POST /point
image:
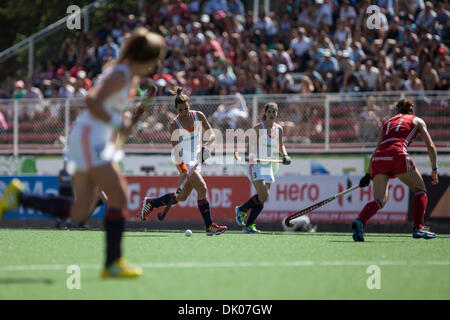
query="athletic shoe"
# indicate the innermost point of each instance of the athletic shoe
(424, 233)
(146, 208)
(10, 199)
(358, 234)
(240, 216)
(121, 269)
(215, 229)
(251, 229)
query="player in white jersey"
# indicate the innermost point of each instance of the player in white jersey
(187, 131)
(91, 149)
(269, 146)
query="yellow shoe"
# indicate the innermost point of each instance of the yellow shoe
(121, 269)
(10, 199)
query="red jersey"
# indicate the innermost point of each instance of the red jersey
(397, 134)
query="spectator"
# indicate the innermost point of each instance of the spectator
(413, 84)
(324, 15)
(368, 126)
(306, 86)
(215, 5)
(442, 16)
(396, 83)
(382, 79)
(342, 35)
(33, 92)
(109, 49)
(299, 46)
(350, 81)
(79, 91)
(178, 10)
(315, 77)
(430, 77)
(194, 6)
(3, 123)
(236, 7)
(19, 90)
(368, 75)
(67, 89)
(347, 12)
(425, 19)
(285, 80)
(327, 64)
(445, 76)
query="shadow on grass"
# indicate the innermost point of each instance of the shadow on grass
(374, 241)
(5, 281)
(144, 236)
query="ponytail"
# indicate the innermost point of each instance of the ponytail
(180, 97)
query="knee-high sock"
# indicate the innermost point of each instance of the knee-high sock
(419, 207)
(369, 210)
(58, 207)
(254, 214)
(163, 200)
(114, 226)
(203, 206)
(250, 204)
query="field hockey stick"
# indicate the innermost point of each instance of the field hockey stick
(287, 221)
(238, 158)
(148, 96)
(163, 214)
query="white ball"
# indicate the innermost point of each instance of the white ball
(188, 233)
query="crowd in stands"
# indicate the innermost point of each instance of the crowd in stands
(216, 47)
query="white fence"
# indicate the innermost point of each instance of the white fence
(331, 123)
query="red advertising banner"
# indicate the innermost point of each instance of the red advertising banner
(290, 194)
(224, 193)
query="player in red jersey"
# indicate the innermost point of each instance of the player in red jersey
(390, 160)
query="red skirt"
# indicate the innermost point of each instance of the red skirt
(391, 163)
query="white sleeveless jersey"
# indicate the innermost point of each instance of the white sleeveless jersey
(190, 144)
(268, 141)
(115, 104)
(90, 142)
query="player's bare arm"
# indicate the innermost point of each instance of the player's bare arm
(206, 126)
(431, 148)
(282, 148)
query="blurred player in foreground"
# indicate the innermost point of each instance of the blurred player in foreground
(188, 126)
(91, 148)
(269, 145)
(390, 160)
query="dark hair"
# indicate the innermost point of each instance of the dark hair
(267, 105)
(404, 106)
(180, 96)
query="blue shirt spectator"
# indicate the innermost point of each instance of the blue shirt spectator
(215, 5)
(236, 7)
(328, 63)
(109, 49)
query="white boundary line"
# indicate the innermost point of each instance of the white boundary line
(262, 264)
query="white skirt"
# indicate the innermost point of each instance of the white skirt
(90, 145)
(258, 171)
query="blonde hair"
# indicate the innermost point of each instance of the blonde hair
(141, 46)
(180, 96)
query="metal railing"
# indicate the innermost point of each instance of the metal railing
(331, 123)
(30, 42)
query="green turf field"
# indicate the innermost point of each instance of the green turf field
(292, 266)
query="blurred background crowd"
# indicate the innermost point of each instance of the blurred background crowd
(216, 47)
